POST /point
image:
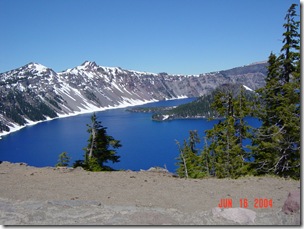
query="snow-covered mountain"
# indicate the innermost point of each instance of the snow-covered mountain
(35, 93)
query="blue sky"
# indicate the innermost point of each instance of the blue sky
(173, 36)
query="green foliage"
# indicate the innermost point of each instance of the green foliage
(276, 145)
(223, 154)
(22, 108)
(201, 107)
(63, 159)
(79, 163)
(101, 148)
(93, 165)
(3, 127)
(189, 159)
(228, 155)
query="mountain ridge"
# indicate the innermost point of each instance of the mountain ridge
(34, 92)
(89, 62)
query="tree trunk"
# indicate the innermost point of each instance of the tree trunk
(92, 143)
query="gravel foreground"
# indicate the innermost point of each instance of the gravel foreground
(66, 196)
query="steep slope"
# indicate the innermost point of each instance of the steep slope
(35, 93)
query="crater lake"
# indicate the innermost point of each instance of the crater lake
(145, 143)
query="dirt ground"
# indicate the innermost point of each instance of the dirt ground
(56, 196)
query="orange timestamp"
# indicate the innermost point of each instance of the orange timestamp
(244, 203)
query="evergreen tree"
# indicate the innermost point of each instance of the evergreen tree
(101, 147)
(189, 159)
(276, 144)
(226, 156)
(291, 43)
(63, 159)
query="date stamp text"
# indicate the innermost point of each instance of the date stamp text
(245, 203)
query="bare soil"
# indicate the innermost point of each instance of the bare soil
(54, 196)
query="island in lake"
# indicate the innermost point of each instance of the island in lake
(199, 108)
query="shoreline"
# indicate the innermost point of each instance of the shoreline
(15, 128)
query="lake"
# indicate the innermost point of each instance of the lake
(145, 143)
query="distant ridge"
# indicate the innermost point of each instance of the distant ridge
(34, 92)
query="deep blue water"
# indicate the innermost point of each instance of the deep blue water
(145, 143)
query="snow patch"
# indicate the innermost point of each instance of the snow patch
(90, 109)
(247, 88)
(165, 117)
(178, 97)
(38, 67)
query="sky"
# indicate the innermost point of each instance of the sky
(173, 36)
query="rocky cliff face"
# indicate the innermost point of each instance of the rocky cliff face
(35, 93)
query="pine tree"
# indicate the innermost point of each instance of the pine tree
(291, 49)
(226, 155)
(276, 144)
(101, 147)
(189, 159)
(63, 159)
(216, 150)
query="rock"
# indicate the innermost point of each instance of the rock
(78, 168)
(292, 203)
(6, 163)
(158, 170)
(238, 215)
(129, 85)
